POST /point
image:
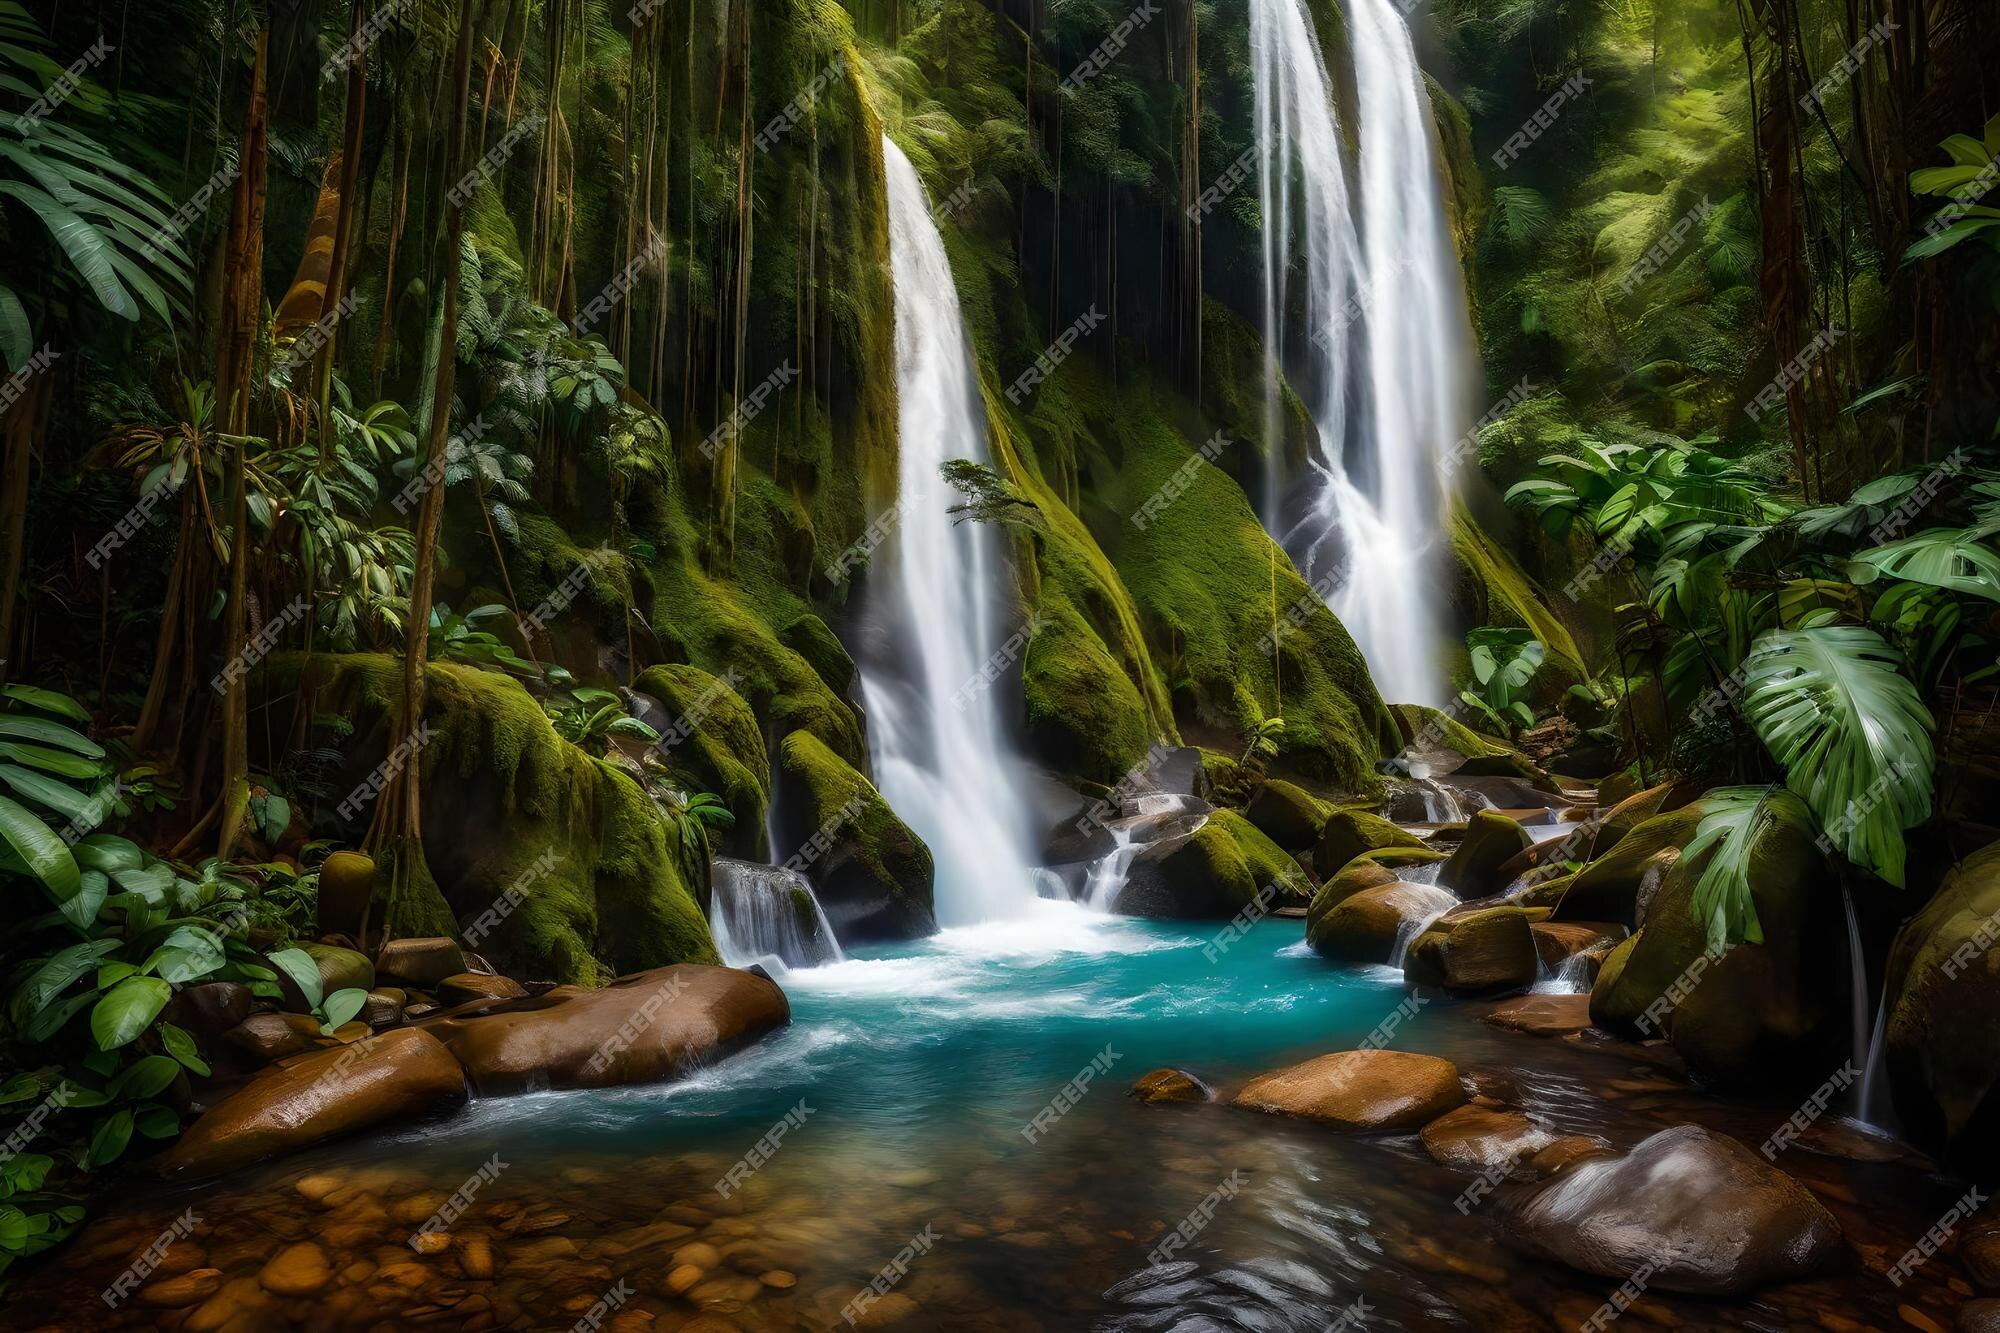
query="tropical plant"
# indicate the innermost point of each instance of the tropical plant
(588, 717)
(691, 818)
(458, 638)
(1503, 662)
(1968, 178)
(331, 1010)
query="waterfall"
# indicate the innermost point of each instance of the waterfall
(763, 913)
(934, 730)
(1387, 354)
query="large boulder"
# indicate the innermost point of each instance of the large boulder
(1484, 1138)
(649, 1028)
(339, 969)
(1374, 1090)
(1289, 815)
(1357, 876)
(1760, 1013)
(873, 873)
(1212, 872)
(422, 961)
(1943, 1046)
(346, 886)
(1484, 950)
(1491, 840)
(1615, 885)
(1346, 834)
(1695, 1212)
(1365, 927)
(1634, 810)
(392, 1078)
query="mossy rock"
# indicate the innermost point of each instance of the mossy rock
(873, 874)
(1352, 879)
(1288, 814)
(1761, 1014)
(514, 814)
(1610, 887)
(809, 637)
(1475, 952)
(1364, 926)
(1269, 863)
(1346, 834)
(1491, 840)
(714, 745)
(1636, 809)
(1942, 1043)
(1211, 873)
(1398, 858)
(1425, 730)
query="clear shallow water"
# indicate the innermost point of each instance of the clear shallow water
(910, 1073)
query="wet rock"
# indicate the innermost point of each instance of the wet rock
(1980, 1316)
(266, 1038)
(1565, 1152)
(346, 884)
(392, 1078)
(384, 1007)
(891, 1311)
(1346, 834)
(339, 969)
(1542, 1015)
(1352, 879)
(1172, 1085)
(1491, 840)
(1360, 1090)
(1942, 1045)
(210, 1009)
(1610, 888)
(1698, 1212)
(1200, 875)
(296, 1270)
(477, 986)
(646, 1028)
(1628, 813)
(1483, 950)
(420, 962)
(1979, 1250)
(171, 1293)
(1557, 941)
(872, 872)
(1287, 814)
(236, 1305)
(1479, 1138)
(1365, 927)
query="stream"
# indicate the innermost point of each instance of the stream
(904, 1085)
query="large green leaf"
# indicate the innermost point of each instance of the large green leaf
(47, 701)
(46, 855)
(86, 246)
(1951, 558)
(60, 762)
(127, 1009)
(304, 972)
(1732, 818)
(55, 976)
(1853, 736)
(50, 733)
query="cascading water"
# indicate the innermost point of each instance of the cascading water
(933, 725)
(1386, 356)
(763, 913)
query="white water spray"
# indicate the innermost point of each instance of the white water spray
(933, 724)
(768, 914)
(1387, 355)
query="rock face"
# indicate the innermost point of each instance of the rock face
(393, 1078)
(1942, 1045)
(1172, 1085)
(1360, 1090)
(873, 873)
(1288, 815)
(717, 744)
(1348, 833)
(1695, 1212)
(1760, 1012)
(1488, 949)
(1491, 841)
(1364, 927)
(647, 1028)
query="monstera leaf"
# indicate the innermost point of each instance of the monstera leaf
(1732, 819)
(1853, 736)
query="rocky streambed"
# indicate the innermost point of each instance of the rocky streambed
(945, 1137)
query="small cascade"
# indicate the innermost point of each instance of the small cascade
(1108, 872)
(766, 914)
(1864, 1110)
(1420, 905)
(1866, 1038)
(1570, 977)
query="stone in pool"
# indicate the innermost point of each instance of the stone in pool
(1487, 949)
(1172, 1085)
(1543, 1015)
(1696, 1212)
(1360, 1090)
(646, 1028)
(1477, 1138)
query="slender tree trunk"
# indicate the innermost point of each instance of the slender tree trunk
(21, 424)
(397, 216)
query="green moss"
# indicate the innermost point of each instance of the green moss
(1507, 596)
(1608, 888)
(1348, 833)
(1266, 861)
(875, 875)
(509, 805)
(715, 747)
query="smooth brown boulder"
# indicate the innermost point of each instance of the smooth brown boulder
(1364, 927)
(1360, 1090)
(1171, 1085)
(266, 1038)
(477, 986)
(1557, 941)
(1346, 834)
(395, 1077)
(1980, 1316)
(384, 1007)
(1480, 1138)
(1543, 1015)
(1491, 840)
(1487, 949)
(1699, 1212)
(346, 884)
(421, 962)
(649, 1027)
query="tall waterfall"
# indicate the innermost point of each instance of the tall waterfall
(933, 723)
(1381, 354)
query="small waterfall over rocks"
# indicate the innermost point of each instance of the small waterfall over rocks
(934, 732)
(763, 913)
(1386, 360)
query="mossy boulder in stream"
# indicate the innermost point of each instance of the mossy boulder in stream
(1491, 840)
(1485, 950)
(1209, 873)
(514, 813)
(1943, 1044)
(711, 743)
(1616, 886)
(1759, 1014)
(874, 875)
(1346, 834)
(1288, 814)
